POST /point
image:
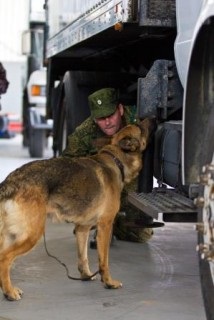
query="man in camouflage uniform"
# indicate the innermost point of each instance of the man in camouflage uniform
(108, 116)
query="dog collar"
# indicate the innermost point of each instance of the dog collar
(117, 162)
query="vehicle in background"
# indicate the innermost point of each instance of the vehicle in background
(160, 55)
(36, 128)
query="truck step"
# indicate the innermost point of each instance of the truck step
(165, 204)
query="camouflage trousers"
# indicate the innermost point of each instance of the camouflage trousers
(124, 226)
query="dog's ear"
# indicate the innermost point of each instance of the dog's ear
(149, 124)
(129, 144)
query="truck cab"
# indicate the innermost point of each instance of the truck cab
(36, 127)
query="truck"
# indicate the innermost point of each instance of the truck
(36, 128)
(160, 55)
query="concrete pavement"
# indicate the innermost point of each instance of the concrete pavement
(160, 278)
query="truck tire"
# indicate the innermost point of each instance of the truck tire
(206, 214)
(205, 240)
(37, 141)
(25, 120)
(74, 107)
(200, 102)
(206, 224)
(63, 128)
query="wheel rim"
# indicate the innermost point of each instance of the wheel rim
(207, 225)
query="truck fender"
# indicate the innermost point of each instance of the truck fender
(198, 142)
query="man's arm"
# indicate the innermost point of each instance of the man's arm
(76, 147)
(80, 141)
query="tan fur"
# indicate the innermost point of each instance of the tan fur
(85, 191)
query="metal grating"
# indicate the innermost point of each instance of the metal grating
(165, 204)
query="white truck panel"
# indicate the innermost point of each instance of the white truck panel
(37, 13)
(191, 15)
(96, 16)
(187, 13)
(63, 12)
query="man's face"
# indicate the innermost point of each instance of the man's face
(111, 124)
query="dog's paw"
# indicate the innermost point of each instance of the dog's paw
(114, 284)
(87, 277)
(14, 295)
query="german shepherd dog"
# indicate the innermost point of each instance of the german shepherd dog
(85, 191)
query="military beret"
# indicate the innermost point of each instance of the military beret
(103, 102)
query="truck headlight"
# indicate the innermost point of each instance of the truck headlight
(37, 90)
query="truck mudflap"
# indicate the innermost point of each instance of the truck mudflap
(165, 204)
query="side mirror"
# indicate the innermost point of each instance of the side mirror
(26, 42)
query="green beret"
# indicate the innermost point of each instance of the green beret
(103, 102)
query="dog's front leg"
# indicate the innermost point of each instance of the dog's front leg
(104, 233)
(82, 234)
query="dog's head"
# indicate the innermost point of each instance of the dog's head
(135, 137)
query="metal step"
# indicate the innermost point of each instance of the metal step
(165, 204)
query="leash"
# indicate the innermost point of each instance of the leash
(64, 265)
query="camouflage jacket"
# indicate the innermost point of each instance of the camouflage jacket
(85, 139)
